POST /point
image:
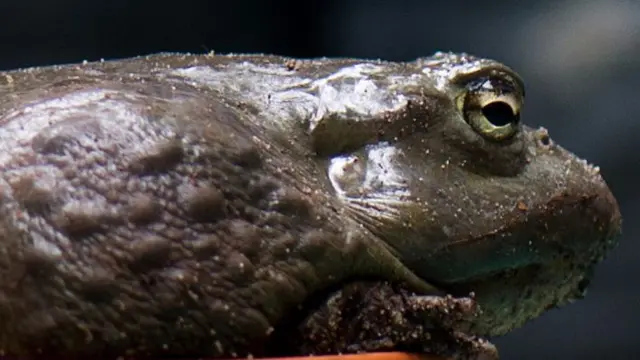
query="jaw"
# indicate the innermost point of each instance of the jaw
(542, 258)
(581, 231)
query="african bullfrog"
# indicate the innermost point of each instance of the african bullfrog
(187, 205)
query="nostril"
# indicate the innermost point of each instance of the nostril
(543, 138)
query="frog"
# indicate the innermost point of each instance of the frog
(223, 205)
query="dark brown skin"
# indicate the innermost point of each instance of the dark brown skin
(189, 204)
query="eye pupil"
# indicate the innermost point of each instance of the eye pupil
(499, 113)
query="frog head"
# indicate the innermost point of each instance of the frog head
(468, 197)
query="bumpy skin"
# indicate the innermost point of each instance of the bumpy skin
(185, 204)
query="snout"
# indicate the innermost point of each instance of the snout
(560, 242)
(586, 219)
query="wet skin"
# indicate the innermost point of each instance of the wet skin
(185, 204)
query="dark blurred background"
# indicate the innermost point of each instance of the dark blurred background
(580, 59)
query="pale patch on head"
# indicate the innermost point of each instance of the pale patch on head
(352, 90)
(346, 174)
(370, 184)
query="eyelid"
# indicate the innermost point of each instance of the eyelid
(498, 72)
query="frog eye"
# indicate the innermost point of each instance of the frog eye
(491, 106)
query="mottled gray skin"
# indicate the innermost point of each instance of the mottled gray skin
(182, 204)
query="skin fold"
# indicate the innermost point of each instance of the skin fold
(232, 205)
